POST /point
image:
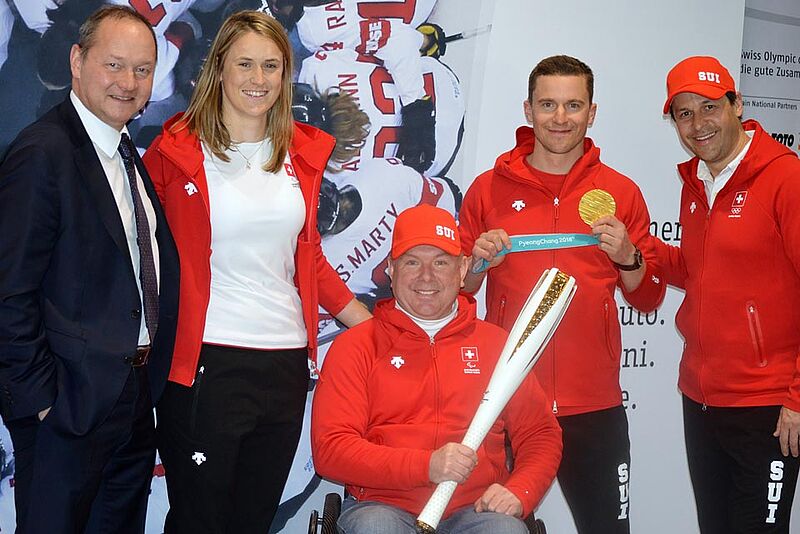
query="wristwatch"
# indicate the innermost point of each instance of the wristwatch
(637, 262)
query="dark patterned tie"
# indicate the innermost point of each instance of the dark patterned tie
(147, 266)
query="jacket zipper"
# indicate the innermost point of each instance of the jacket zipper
(552, 349)
(198, 381)
(706, 231)
(756, 334)
(435, 393)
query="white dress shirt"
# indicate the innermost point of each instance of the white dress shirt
(714, 185)
(106, 142)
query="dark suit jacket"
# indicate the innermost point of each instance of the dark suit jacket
(70, 309)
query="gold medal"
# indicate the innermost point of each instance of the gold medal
(595, 204)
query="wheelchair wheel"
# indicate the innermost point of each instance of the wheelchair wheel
(536, 527)
(312, 522)
(330, 512)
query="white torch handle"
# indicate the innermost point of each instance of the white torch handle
(480, 426)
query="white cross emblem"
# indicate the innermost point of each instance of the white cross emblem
(518, 205)
(198, 457)
(191, 189)
(692, 207)
(739, 198)
(397, 361)
(656, 280)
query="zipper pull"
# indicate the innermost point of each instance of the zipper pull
(555, 206)
(704, 408)
(555, 406)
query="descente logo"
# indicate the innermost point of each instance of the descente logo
(708, 77)
(445, 232)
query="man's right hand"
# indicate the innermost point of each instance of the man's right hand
(44, 413)
(489, 244)
(453, 461)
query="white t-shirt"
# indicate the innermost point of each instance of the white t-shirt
(256, 217)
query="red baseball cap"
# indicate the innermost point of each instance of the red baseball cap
(425, 225)
(703, 75)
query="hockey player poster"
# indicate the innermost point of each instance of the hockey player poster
(369, 73)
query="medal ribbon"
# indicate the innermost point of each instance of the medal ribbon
(526, 243)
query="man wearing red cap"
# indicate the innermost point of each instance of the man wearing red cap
(739, 263)
(540, 187)
(397, 394)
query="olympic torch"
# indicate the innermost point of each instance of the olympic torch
(532, 330)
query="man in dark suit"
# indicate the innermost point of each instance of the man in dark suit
(88, 293)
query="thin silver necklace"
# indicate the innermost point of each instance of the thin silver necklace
(246, 159)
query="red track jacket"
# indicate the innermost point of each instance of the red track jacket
(389, 396)
(579, 370)
(175, 163)
(740, 265)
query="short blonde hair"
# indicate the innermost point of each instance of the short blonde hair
(204, 114)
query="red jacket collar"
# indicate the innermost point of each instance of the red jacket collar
(182, 147)
(512, 164)
(763, 151)
(387, 312)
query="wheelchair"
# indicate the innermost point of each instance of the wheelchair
(332, 507)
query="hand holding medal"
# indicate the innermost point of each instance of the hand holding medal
(597, 208)
(593, 206)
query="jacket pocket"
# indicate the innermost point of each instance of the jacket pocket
(501, 311)
(756, 334)
(198, 383)
(607, 330)
(65, 345)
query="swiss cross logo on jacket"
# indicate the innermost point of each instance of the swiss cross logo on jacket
(469, 355)
(739, 198)
(289, 169)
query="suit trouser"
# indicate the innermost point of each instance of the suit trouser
(742, 482)
(595, 469)
(227, 442)
(95, 483)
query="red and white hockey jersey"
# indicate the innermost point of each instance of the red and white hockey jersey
(359, 253)
(337, 25)
(373, 88)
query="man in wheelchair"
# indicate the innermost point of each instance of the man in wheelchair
(397, 394)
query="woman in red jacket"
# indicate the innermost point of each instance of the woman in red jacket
(239, 183)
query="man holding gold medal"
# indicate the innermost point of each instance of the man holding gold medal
(552, 195)
(738, 262)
